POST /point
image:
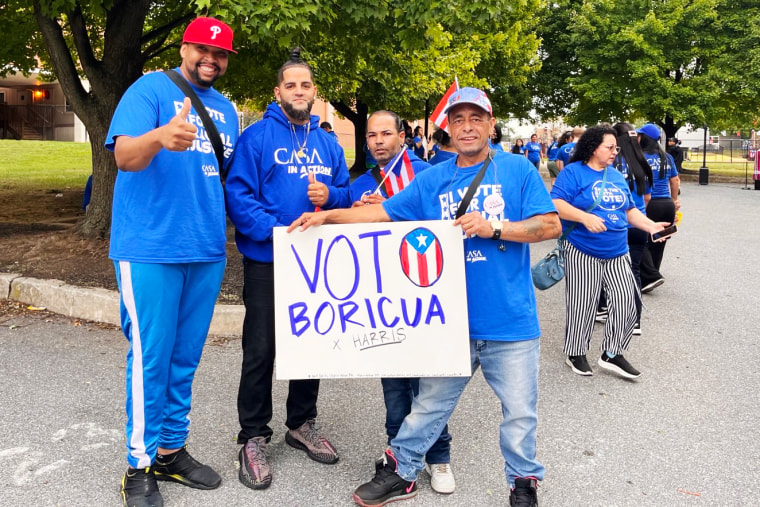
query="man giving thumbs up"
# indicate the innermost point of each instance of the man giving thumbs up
(168, 238)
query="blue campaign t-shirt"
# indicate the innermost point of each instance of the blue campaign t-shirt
(442, 156)
(501, 302)
(638, 200)
(420, 152)
(578, 184)
(173, 210)
(534, 151)
(661, 186)
(565, 153)
(553, 151)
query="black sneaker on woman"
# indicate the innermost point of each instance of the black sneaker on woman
(182, 468)
(619, 365)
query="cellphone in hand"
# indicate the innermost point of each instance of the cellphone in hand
(665, 233)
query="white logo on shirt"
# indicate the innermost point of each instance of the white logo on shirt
(475, 256)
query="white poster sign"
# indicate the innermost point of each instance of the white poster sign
(371, 300)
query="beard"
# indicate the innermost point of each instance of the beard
(206, 83)
(298, 115)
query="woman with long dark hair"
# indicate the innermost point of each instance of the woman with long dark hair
(635, 169)
(594, 199)
(662, 206)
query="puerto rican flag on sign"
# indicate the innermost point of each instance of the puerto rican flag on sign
(399, 174)
(421, 257)
(438, 116)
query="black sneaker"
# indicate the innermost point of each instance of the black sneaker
(579, 365)
(386, 486)
(183, 468)
(524, 493)
(652, 285)
(619, 365)
(139, 489)
(254, 469)
(601, 314)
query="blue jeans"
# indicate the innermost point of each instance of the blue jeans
(511, 369)
(399, 394)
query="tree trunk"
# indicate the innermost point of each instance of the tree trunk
(670, 127)
(359, 119)
(108, 79)
(97, 222)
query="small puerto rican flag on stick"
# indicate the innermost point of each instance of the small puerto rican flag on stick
(397, 174)
(438, 116)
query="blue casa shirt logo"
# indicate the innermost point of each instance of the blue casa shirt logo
(613, 198)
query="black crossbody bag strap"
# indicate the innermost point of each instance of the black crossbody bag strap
(208, 124)
(474, 185)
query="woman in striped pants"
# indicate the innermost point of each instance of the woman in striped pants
(595, 201)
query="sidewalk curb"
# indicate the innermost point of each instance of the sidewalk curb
(96, 304)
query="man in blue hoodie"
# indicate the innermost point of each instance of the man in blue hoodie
(286, 165)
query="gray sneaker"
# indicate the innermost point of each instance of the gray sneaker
(308, 439)
(254, 469)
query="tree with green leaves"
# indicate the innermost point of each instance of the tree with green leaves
(370, 55)
(367, 55)
(95, 50)
(671, 62)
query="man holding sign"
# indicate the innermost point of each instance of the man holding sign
(284, 165)
(168, 239)
(510, 209)
(396, 168)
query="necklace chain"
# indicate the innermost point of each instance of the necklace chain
(301, 147)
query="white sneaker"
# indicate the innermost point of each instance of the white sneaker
(441, 477)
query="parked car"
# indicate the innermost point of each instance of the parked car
(711, 148)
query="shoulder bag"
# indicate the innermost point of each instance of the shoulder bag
(208, 124)
(551, 269)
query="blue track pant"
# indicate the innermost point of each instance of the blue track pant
(166, 311)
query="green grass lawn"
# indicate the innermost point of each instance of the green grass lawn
(44, 164)
(721, 164)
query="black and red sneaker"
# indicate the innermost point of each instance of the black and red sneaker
(387, 486)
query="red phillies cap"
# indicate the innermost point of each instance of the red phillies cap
(210, 32)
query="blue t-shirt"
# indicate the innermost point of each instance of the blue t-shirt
(534, 151)
(497, 146)
(578, 185)
(442, 156)
(553, 151)
(661, 186)
(269, 176)
(420, 152)
(638, 200)
(173, 210)
(367, 183)
(565, 153)
(500, 299)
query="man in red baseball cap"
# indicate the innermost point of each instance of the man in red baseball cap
(168, 238)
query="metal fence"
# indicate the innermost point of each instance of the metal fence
(725, 150)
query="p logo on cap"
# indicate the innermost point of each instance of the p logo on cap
(210, 32)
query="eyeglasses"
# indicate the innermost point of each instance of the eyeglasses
(612, 148)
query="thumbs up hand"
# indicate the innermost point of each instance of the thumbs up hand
(317, 191)
(178, 135)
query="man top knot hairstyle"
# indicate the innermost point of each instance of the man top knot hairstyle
(295, 60)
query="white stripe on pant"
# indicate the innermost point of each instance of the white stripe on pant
(585, 276)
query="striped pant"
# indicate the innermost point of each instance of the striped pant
(585, 277)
